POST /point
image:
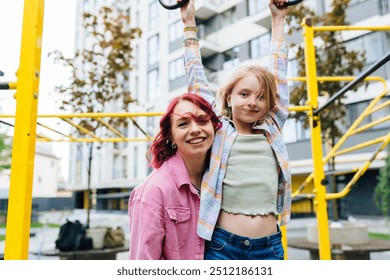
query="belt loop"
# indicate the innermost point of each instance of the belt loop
(268, 240)
(231, 238)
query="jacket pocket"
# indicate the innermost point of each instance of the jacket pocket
(177, 222)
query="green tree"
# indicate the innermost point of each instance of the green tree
(5, 152)
(382, 189)
(100, 73)
(333, 58)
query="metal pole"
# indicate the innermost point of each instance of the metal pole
(23, 151)
(316, 142)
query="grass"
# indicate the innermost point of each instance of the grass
(35, 225)
(380, 236)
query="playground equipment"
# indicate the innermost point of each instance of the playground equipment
(25, 136)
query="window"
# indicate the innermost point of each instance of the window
(292, 71)
(153, 84)
(260, 46)
(231, 58)
(100, 168)
(79, 161)
(352, 2)
(176, 69)
(153, 14)
(124, 166)
(175, 31)
(256, 6)
(371, 43)
(153, 49)
(382, 113)
(135, 165)
(384, 6)
(356, 109)
(229, 17)
(136, 85)
(152, 124)
(116, 167)
(294, 131)
(78, 171)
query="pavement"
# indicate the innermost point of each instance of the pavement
(44, 238)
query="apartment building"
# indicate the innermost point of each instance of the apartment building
(232, 33)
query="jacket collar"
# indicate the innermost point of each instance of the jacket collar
(178, 171)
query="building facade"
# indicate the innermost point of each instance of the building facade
(48, 185)
(231, 33)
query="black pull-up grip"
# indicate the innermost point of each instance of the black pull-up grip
(174, 6)
(291, 3)
(182, 3)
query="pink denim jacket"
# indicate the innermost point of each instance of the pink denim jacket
(163, 213)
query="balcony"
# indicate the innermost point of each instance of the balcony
(206, 9)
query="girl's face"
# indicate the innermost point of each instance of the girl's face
(247, 105)
(192, 130)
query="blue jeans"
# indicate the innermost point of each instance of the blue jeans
(228, 246)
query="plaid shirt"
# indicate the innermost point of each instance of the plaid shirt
(211, 193)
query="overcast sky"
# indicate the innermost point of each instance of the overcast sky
(58, 34)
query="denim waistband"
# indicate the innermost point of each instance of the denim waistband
(247, 241)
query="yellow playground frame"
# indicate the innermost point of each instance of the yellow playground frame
(25, 136)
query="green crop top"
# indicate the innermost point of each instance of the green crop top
(251, 181)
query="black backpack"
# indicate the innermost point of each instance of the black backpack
(73, 237)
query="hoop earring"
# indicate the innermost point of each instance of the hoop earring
(174, 146)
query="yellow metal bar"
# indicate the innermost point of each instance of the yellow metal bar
(360, 172)
(89, 140)
(94, 115)
(103, 115)
(350, 78)
(46, 139)
(12, 85)
(360, 146)
(112, 129)
(316, 142)
(86, 131)
(23, 151)
(380, 106)
(338, 173)
(299, 108)
(353, 126)
(283, 229)
(372, 124)
(7, 85)
(339, 79)
(350, 28)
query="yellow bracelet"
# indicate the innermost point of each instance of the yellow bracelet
(190, 28)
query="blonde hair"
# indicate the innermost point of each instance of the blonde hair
(267, 88)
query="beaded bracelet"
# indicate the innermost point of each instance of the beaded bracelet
(190, 41)
(190, 28)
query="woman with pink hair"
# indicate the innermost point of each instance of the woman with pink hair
(164, 208)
